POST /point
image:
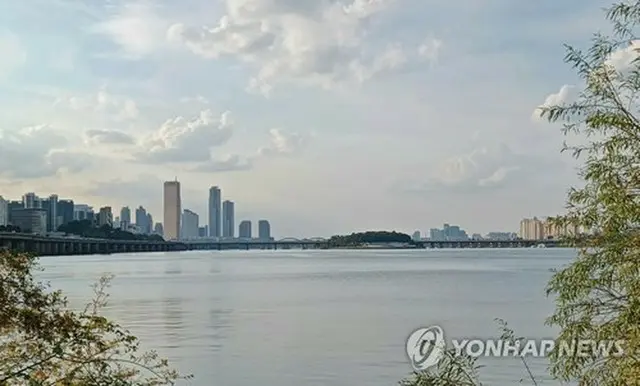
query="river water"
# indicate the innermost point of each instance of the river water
(335, 318)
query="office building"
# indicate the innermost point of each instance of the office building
(65, 211)
(228, 219)
(215, 207)
(448, 233)
(105, 216)
(30, 220)
(4, 212)
(142, 219)
(83, 212)
(30, 201)
(157, 229)
(203, 231)
(190, 225)
(264, 230)
(11, 207)
(172, 210)
(416, 236)
(50, 205)
(244, 229)
(125, 217)
(149, 224)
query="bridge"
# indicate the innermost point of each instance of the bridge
(58, 246)
(285, 243)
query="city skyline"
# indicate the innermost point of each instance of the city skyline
(529, 228)
(351, 118)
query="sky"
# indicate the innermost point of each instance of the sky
(325, 116)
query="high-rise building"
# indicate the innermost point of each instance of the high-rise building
(31, 201)
(531, 229)
(105, 216)
(83, 212)
(264, 230)
(228, 215)
(416, 236)
(50, 206)
(12, 207)
(215, 207)
(190, 225)
(149, 224)
(244, 229)
(4, 212)
(30, 220)
(65, 209)
(157, 229)
(142, 219)
(125, 217)
(172, 210)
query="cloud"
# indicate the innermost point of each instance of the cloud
(12, 52)
(623, 59)
(135, 28)
(187, 140)
(282, 143)
(568, 94)
(227, 164)
(115, 107)
(197, 99)
(482, 168)
(430, 49)
(319, 43)
(38, 151)
(108, 137)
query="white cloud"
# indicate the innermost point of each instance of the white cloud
(568, 94)
(12, 53)
(135, 28)
(319, 43)
(187, 140)
(483, 167)
(108, 137)
(37, 151)
(232, 162)
(430, 49)
(282, 143)
(622, 59)
(115, 107)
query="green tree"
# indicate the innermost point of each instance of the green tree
(598, 294)
(46, 343)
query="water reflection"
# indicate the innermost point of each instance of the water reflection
(173, 320)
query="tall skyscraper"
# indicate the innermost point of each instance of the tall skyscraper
(264, 230)
(149, 229)
(215, 203)
(65, 210)
(31, 201)
(125, 217)
(4, 212)
(172, 210)
(105, 216)
(228, 224)
(190, 224)
(244, 229)
(141, 219)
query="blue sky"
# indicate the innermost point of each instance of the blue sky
(323, 116)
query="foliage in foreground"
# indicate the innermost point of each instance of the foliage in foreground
(598, 294)
(45, 343)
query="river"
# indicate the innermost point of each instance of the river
(331, 318)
